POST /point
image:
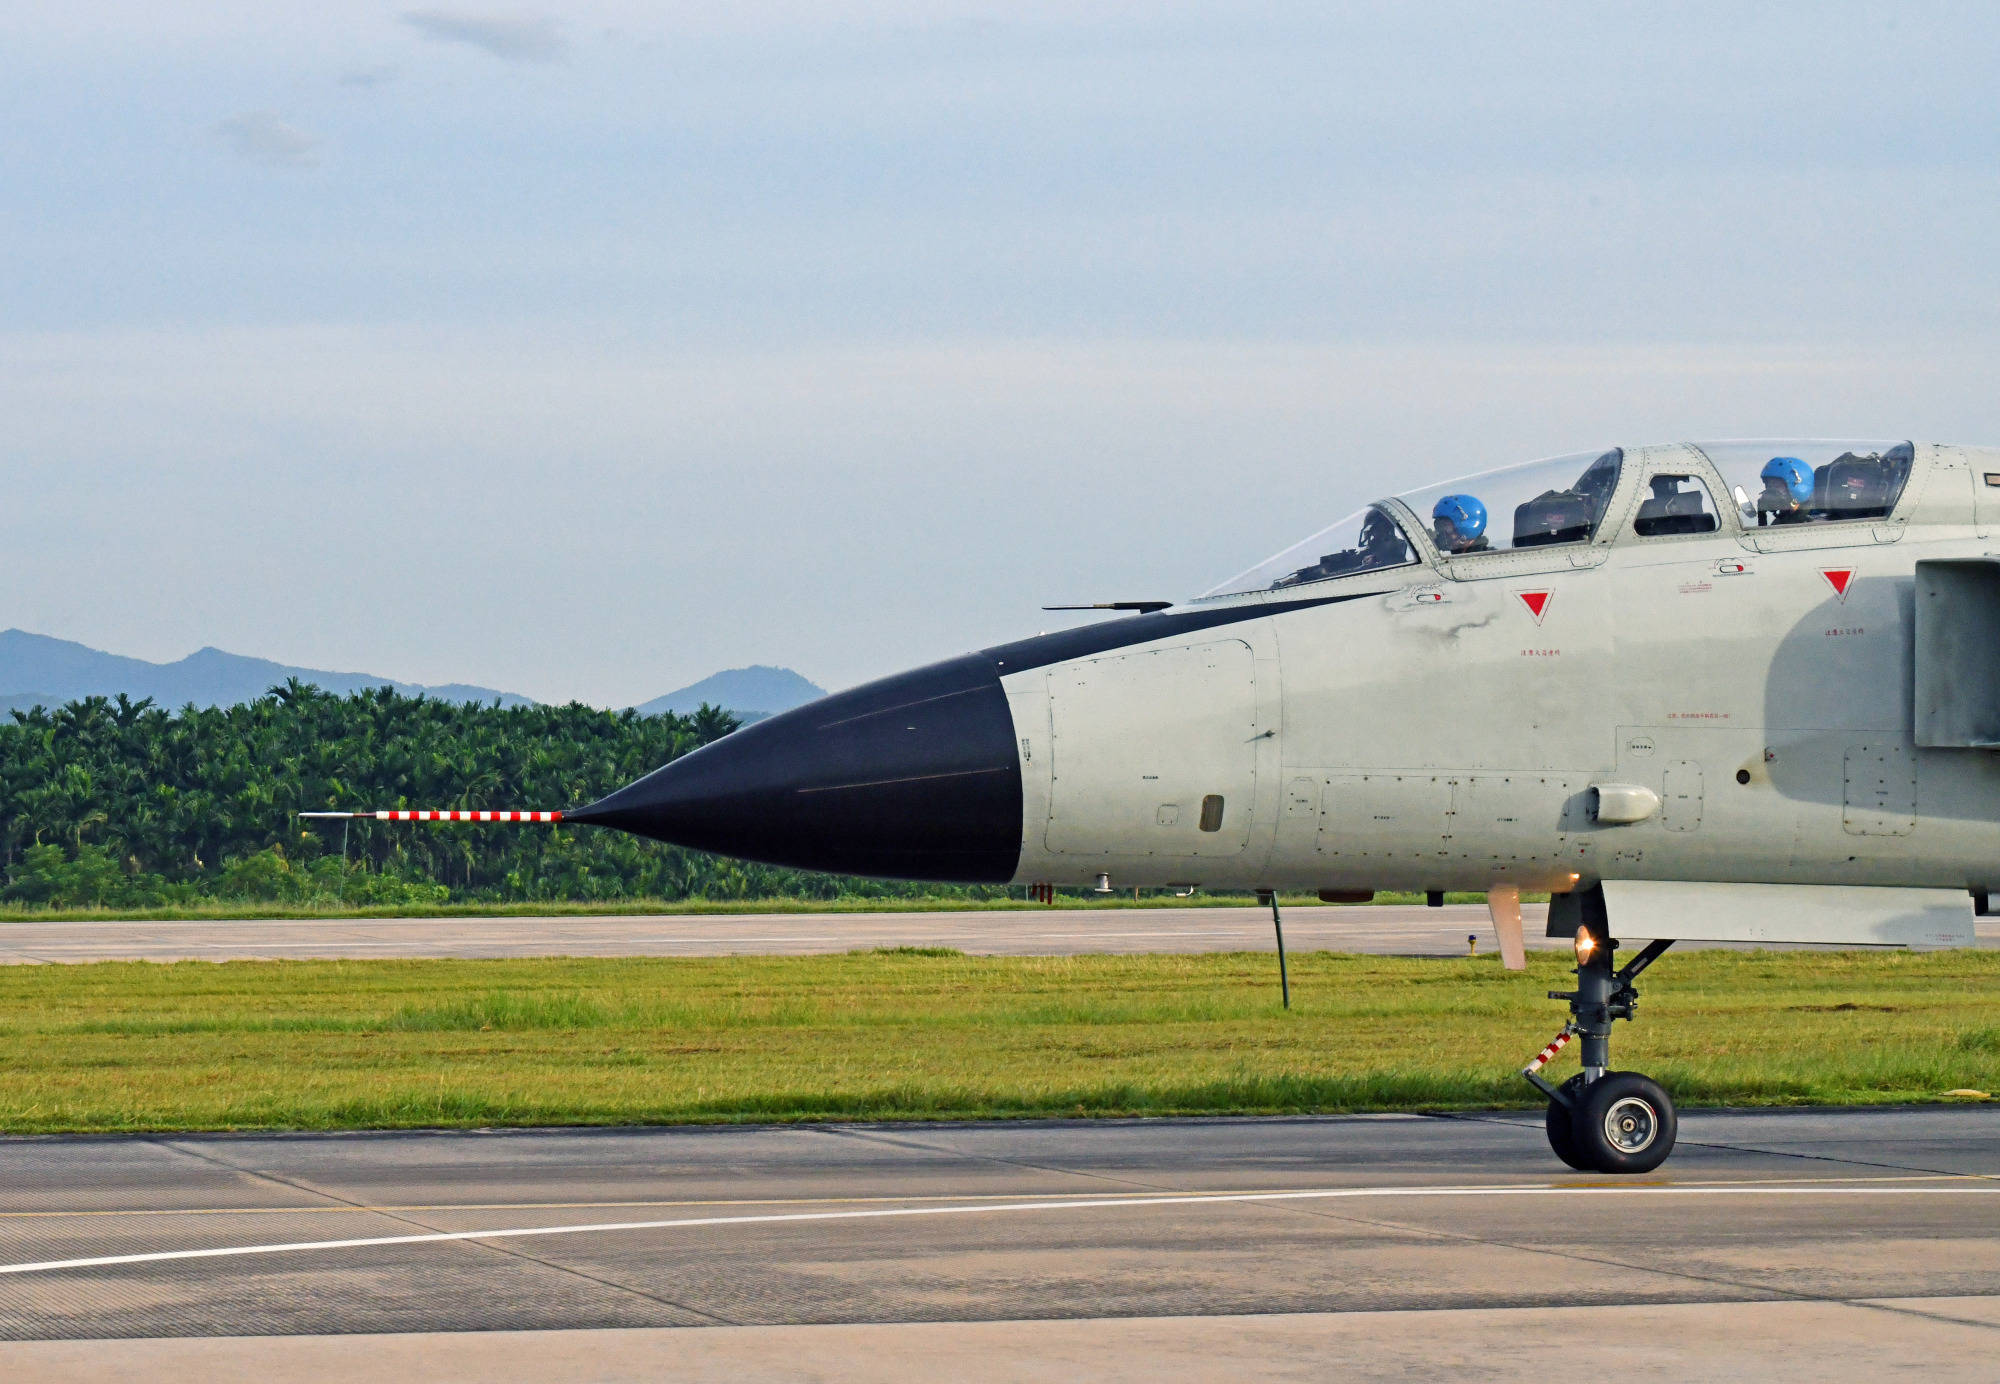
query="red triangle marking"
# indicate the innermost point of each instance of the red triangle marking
(1838, 578)
(1537, 602)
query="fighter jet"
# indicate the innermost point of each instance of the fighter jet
(1741, 691)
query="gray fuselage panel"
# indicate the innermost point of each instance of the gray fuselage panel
(1443, 725)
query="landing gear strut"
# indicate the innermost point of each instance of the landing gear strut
(1600, 1120)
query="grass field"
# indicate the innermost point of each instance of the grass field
(919, 1035)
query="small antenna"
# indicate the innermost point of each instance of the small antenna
(1143, 607)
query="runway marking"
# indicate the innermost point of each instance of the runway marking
(995, 1208)
(437, 1208)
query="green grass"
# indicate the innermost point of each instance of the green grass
(907, 1033)
(224, 908)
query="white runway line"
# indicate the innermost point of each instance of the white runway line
(1981, 1188)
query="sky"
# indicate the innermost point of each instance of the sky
(583, 351)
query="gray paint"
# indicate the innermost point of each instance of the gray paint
(1438, 735)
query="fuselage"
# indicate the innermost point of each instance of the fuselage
(1442, 723)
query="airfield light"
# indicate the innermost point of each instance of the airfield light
(1585, 945)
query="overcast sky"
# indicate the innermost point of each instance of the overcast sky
(583, 352)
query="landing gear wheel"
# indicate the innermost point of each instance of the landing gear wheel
(1561, 1136)
(1623, 1123)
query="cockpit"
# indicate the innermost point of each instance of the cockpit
(1777, 485)
(1368, 542)
(1559, 500)
(1565, 500)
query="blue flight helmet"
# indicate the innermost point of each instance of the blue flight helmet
(1465, 514)
(1791, 474)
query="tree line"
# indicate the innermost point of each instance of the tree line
(115, 802)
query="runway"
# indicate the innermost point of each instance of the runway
(1007, 932)
(1789, 1245)
(1391, 929)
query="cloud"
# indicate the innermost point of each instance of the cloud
(262, 138)
(513, 40)
(368, 77)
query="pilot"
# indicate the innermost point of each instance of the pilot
(1788, 491)
(1459, 521)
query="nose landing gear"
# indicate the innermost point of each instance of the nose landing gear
(1600, 1120)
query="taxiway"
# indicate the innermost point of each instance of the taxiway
(1811, 1244)
(1386, 929)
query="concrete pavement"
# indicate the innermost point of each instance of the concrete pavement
(1810, 1244)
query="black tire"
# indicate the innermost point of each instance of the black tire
(1625, 1123)
(1561, 1138)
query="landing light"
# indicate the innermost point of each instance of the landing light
(1585, 945)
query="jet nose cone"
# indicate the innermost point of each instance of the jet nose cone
(912, 777)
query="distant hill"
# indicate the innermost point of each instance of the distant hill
(37, 669)
(755, 692)
(26, 701)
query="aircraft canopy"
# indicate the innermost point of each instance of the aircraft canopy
(1556, 500)
(1835, 479)
(1771, 482)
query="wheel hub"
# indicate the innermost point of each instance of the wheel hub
(1631, 1125)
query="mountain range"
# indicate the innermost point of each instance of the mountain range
(758, 690)
(38, 670)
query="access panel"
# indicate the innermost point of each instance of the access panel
(1154, 753)
(1681, 800)
(1878, 790)
(1389, 816)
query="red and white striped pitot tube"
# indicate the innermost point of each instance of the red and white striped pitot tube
(1547, 1054)
(439, 815)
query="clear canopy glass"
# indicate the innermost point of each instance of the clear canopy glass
(1558, 500)
(1780, 482)
(1368, 541)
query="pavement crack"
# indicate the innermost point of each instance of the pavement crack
(891, 1261)
(400, 1218)
(1751, 1292)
